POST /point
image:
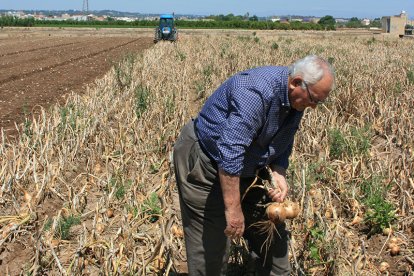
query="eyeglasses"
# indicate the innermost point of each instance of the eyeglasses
(312, 100)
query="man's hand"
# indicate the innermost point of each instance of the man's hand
(235, 222)
(279, 193)
(233, 211)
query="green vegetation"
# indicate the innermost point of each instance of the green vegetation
(27, 129)
(380, 213)
(229, 21)
(63, 226)
(355, 142)
(256, 25)
(328, 22)
(68, 117)
(152, 207)
(337, 143)
(118, 184)
(354, 23)
(8, 21)
(141, 100)
(319, 249)
(235, 23)
(275, 46)
(316, 237)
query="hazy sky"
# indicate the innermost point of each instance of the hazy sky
(336, 8)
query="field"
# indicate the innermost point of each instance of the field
(87, 186)
(42, 66)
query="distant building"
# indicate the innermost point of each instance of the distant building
(125, 18)
(341, 20)
(315, 19)
(395, 24)
(309, 20)
(79, 17)
(365, 22)
(65, 16)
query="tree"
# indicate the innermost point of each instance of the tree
(376, 23)
(327, 21)
(354, 22)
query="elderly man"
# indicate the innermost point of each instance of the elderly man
(248, 123)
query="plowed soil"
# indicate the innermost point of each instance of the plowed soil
(42, 66)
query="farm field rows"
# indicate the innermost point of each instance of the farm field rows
(88, 186)
(43, 68)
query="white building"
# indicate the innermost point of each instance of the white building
(365, 22)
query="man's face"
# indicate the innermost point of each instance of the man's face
(303, 95)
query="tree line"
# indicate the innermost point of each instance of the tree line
(17, 22)
(212, 22)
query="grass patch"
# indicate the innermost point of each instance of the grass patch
(380, 213)
(152, 207)
(63, 227)
(141, 100)
(357, 141)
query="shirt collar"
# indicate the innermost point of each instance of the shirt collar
(284, 96)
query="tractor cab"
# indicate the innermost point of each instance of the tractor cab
(166, 29)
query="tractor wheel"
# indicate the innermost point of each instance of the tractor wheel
(174, 36)
(157, 36)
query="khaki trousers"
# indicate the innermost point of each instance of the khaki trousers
(202, 210)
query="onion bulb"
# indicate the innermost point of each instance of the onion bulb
(387, 231)
(276, 213)
(291, 209)
(384, 266)
(395, 240)
(394, 250)
(109, 213)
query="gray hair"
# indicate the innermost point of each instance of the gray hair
(311, 68)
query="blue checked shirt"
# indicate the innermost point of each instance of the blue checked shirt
(247, 122)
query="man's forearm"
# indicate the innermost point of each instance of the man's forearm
(230, 186)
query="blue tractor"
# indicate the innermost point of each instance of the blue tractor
(166, 29)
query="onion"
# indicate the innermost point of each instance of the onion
(130, 216)
(291, 209)
(27, 197)
(177, 231)
(384, 267)
(100, 228)
(55, 243)
(312, 192)
(109, 213)
(276, 213)
(394, 250)
(357, 220)
(387, 231)
(395, 240)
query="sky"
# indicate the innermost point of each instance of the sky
(318, 8)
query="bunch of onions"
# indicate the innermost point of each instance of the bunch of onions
(394, 247)
(279, 212)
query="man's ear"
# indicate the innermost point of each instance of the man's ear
(295, 82)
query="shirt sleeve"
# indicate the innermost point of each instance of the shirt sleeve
(246, 116)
